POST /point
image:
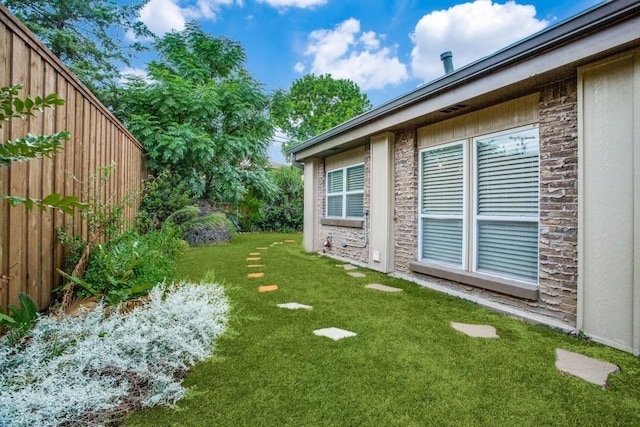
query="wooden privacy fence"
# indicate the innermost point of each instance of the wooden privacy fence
(29, 249)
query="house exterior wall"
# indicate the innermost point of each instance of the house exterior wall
(554, 108)
(352, 235)
(609, 221)
(406, 200)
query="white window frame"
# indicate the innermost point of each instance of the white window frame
(344, 193)
(470, 218)
(463, 216)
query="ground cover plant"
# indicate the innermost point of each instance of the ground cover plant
(92, 368)
(406, 366)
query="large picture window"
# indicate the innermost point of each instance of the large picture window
(479, 207)
(345, 192)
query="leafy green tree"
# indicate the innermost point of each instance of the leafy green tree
(202, 116)
(86, 35)
(314, 104)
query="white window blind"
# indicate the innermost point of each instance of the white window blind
(443, 204)
(496, 207)
(507, 204)
(508, 174)
(345, 192)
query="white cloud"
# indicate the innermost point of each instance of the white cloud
(303, 4)
(299, 67)
(471, 31)
(347, 53)
(162, 16)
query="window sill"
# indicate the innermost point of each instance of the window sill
(478, 280)
(342, 222)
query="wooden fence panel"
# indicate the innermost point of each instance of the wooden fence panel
(29, 249)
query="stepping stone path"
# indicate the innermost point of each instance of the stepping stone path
(383, 288)
(592, 370)
(255, 275)
(334, 333)
(295, 306)
(347, 267)
(476, 331)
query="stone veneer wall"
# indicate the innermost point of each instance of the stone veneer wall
(558, 270)
(406, 200)
(558, 124)
(338, 234)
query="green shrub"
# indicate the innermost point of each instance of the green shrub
(162, 195)
(19, 321)
(282, 211)
(129, 265)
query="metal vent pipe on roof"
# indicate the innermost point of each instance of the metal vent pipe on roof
(447, 61)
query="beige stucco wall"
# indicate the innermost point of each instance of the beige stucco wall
(381, 202)
(609, 308)
(310, 218)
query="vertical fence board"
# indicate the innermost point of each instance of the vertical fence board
(34, 168)
(17, 183)
(5, 80)
(29, 249)
(49, 241)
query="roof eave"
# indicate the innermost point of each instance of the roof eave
(552, 37)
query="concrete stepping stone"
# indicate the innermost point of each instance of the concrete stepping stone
(255, 275)
(334, 333)
(295, 306)
(289, 241)
(255, 253)
(476, 331)
(358, 275)
(262, 249)
(592, 370)
(268, 288)
(350, 267)
(255, 265)
(383, 288)
(253, 259)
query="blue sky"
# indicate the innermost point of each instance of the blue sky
(387, 47)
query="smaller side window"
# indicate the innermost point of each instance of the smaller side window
(345, 192)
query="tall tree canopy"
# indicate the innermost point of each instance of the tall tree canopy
(85, 34)
(201, 116)
(314, 104)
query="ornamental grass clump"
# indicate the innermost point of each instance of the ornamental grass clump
(93, 368)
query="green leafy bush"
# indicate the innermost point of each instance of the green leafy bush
(283, 211)
(20, 318)
(129, 265)
(162, 195)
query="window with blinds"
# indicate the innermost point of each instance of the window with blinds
(442, 206)
(507, 204)
(495, 207)
(345, 192)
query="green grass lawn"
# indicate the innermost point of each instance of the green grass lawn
(406, 367)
